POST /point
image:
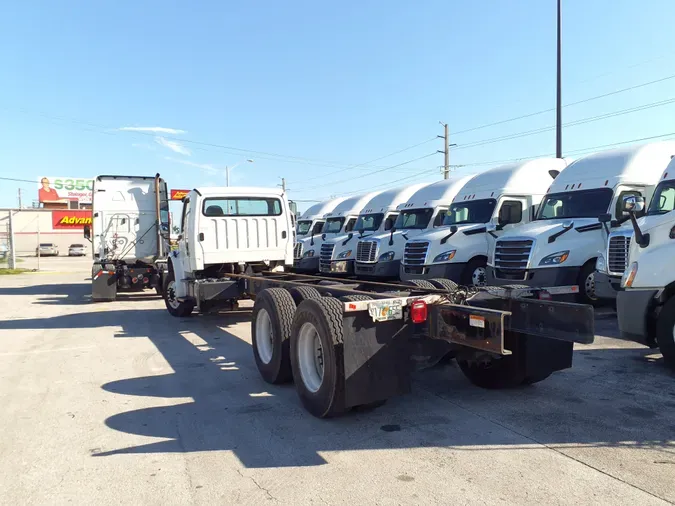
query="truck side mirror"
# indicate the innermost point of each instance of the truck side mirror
(605, 218)
(504, 217)
(633, 204)
(87, 232)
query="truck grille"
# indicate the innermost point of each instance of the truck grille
(366, 251)
(415, 253)
(617, 254)
(297, 250)
(512, 257)
(326, 255)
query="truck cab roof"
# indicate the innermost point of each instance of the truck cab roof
(435, 194)
(351, 205)
(320, 209)
(389, 200)
(252, 191)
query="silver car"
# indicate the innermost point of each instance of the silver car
(76, 250)
(47, 249)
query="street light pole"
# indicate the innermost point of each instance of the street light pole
(228, 169)
(558, 108)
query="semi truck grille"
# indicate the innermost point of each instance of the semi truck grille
(415, 253)
(297, 250)
(326, 255)
(512, 257)
(617, 254)
(366, 251)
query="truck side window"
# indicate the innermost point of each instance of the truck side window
(350, 225)
(511, 212)
(186, 203)
(438, 220)
(618, 212)
(389, 222)
(317, 228)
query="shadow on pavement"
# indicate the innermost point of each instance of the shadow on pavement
(229, 407)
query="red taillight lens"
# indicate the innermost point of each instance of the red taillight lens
(418, 311)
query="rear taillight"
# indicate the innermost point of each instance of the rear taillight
(418, 311)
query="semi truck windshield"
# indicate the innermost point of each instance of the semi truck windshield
(303, 227)
(476, 211)
(663, 200)
(414, 219)
(333, 225)
(575, 204)
(368, 222)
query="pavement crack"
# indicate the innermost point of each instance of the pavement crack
(267, 492)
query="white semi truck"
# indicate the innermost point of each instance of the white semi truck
(129, 234)
(561, 246)
(646, 306)
(377, 216)
(506, 196)
(310, 225)
(380, 255)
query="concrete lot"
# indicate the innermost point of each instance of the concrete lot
(120, 403)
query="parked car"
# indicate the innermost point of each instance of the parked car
(76, 250)
(47, 249)
(3, 251)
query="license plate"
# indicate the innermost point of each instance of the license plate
(382, 311)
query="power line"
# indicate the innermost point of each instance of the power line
(543, 111)
(388, 183)
(19, 180)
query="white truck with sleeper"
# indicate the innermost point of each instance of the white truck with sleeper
(646, 306)
(561, 246)
(377, 216)
(350, 343)
(310, 225)
(129, 234)
(379, 256)
(505, 196)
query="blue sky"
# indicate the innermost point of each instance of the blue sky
(331, 85)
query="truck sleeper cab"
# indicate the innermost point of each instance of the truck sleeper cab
(378, 215)
(506, 196)
(309, 225)
(646, 307)
(379, 256)
(561, 246)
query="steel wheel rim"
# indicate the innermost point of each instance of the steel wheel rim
(264, 336)
(479, 277)
(171, 295)
(310, 357)
(589, 286)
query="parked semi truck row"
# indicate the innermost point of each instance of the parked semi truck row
(348, 343)
(129, 234)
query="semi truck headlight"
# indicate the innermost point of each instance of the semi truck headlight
(600, 264)
(308, 254)
(445, 256)
(555, 258)
(629, 276)
(345, 254)
(387, 257)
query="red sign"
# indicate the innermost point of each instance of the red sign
(179, 194)
(70, 219)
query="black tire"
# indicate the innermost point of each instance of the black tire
(355, 298)
(175, 308)
(471, 267)
(325, 315)
(421, 283)
(665, 332)
(300, 293)
(275, 364)
(584, 296)
(531, 380)
(366, 408)
(503, 372)
(444, 284)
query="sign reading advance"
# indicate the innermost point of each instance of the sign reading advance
(179, 194)
(65, 189)
(70, 219)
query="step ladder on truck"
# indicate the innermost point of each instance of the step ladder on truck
(348, 343)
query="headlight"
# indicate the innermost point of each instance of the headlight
(309, 253)
(629, 276)
(345, 254)
(555, 258)
(446, 256)
(600, 264)
(386, 257)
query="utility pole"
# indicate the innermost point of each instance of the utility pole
(558, 108)
(20, 206)
(11, 261)
(227, 176)
(283, 184)
(446, 151)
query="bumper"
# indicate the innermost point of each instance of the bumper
(452, 271)
(343, 267)
(606, 286)
(633, 308)
(379, 269)
(307, 264)
(552, 276)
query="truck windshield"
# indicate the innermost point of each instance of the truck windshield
(333, 225)
(575, 204)
(369, 222)
(414, 219)
(476, 211)
(304, 226)
(663, 200)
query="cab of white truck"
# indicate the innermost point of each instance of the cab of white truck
(339, 221)
(377, 216)
(310, 225)
(379, 256)
(561, 246)
(646, 306)
(506, 196)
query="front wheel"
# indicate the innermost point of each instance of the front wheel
(587, 285)
(176, 308)
(475, 273)
(665, 332)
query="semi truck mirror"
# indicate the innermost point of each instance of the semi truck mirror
(605, 218)
(87, 232)
(633, 204)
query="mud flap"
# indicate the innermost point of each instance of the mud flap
(103, 284)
